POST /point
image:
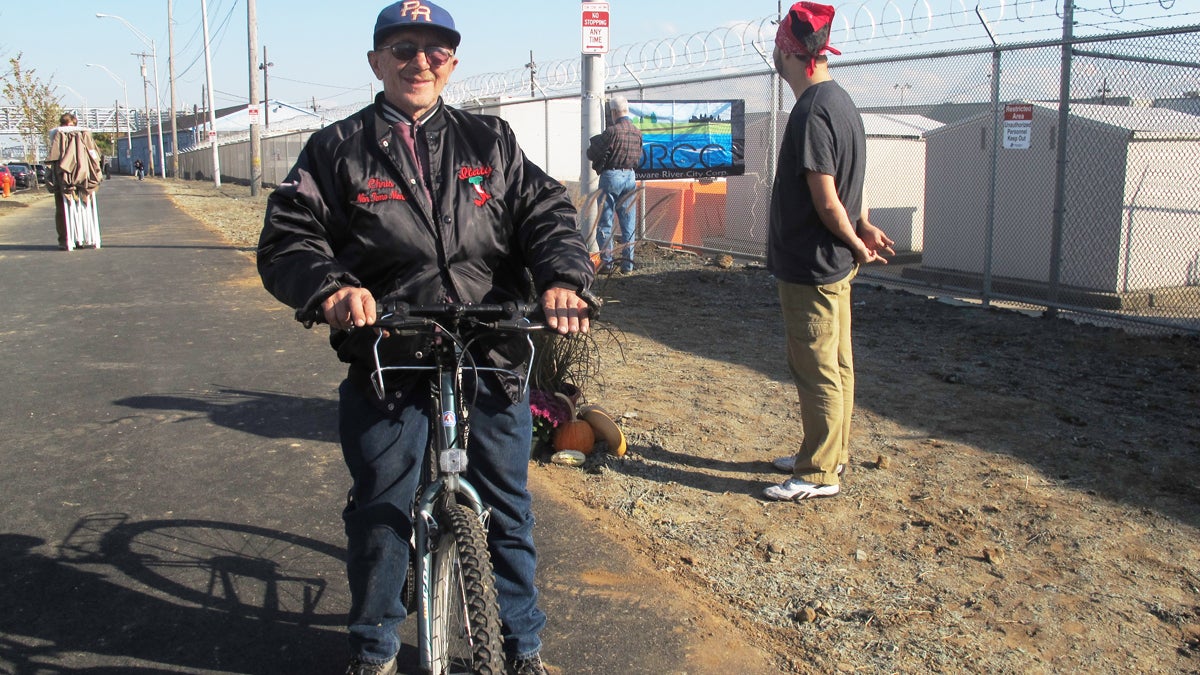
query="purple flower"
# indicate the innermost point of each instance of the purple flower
(547, 408)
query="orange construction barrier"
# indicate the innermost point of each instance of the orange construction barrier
(684, 212)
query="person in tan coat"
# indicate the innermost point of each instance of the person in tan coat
(75, 161)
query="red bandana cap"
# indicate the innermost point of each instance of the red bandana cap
(802, 20)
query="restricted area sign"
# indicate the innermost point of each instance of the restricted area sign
(595, 27)
(1018, 125)
(252, 111)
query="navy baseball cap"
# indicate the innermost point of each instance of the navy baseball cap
(413, 13)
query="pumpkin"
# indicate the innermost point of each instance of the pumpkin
(573, 434)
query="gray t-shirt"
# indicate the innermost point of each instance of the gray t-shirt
(824, 134)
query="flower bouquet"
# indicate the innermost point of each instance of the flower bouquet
(548, 412)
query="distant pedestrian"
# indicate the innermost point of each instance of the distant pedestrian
(139, 169)
(615, 154)
(817, 238)
(74, 162)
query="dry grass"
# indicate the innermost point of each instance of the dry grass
(229, 209)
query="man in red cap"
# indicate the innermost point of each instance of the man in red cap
(818, 236)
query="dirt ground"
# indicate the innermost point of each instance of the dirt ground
(1023, 494)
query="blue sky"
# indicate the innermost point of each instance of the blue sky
(319, 48)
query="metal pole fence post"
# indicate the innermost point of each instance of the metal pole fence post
(989, 238)
(1060, 175)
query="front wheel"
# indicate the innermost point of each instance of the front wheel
(465, 635)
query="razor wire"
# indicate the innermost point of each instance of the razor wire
(869, 29)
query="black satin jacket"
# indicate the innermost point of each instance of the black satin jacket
(352, 212)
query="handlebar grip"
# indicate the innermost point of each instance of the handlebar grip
(310, 316)
(509, 310)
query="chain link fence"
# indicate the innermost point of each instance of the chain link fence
(989, 187)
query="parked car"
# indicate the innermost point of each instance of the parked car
(22, 173)
(6, 177)
(42, 171)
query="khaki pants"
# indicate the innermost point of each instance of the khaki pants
(820, 357)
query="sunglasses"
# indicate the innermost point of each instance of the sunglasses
(406, 51)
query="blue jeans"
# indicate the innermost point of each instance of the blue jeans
(619, 190)
(384, 456)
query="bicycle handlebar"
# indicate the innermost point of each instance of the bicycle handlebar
(507, 315)
(504, 316)
(459, 322)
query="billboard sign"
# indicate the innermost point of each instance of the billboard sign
(684, 139)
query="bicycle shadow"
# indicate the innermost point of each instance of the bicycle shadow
(269, 414)
(191, 594)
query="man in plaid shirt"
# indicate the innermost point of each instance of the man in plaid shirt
(614, 155)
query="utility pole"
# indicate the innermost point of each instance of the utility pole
(212, 107)
(592, 104)
(171, 74)
(532, 66)
(265, 66)
(255, 130)
(146, 93)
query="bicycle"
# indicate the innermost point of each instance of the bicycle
(450, 581)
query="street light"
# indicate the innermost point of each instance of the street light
(902, 87)
(162, 162)
(81, 98)
(128, 132)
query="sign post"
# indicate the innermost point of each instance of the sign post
(594, 27)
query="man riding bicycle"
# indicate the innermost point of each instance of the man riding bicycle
(415, 201)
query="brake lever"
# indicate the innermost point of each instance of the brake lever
(594, 303)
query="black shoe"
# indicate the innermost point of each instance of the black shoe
(530, 665)
(606, 268)
(360, 667)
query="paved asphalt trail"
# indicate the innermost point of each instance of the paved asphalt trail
(171, 480)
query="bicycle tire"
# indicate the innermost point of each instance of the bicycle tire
(466, 617)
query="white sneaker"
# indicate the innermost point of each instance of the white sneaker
(793, 489)
(788, 464)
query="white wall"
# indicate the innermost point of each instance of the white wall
(1125, 227)
(548, 132)
(894, 188)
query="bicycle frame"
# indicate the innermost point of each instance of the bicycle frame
(448, 442)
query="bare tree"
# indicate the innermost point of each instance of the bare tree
(38, 109)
